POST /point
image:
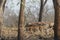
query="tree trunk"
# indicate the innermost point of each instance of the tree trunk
(21, 21)
(41, 9)
(2, 4)
(57, 19)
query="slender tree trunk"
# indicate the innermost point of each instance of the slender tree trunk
(2, 4)
(21, 21)
(41, 9)
(57, 19)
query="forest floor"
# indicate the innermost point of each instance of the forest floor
(11, 33)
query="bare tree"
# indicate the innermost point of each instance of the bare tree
(21, 21)
(41, 9)
(57, 19)
(2, 5)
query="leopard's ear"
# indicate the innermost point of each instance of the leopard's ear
(51, 24)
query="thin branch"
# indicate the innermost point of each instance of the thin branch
(45, 2)
(4, 5)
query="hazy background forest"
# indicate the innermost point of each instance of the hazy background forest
(32, 7)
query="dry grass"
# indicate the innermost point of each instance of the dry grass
(9, 31)
(32, 30)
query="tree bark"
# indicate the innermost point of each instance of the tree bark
(57, 19)
(2, 5)
(41, 9)
(21, 21)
